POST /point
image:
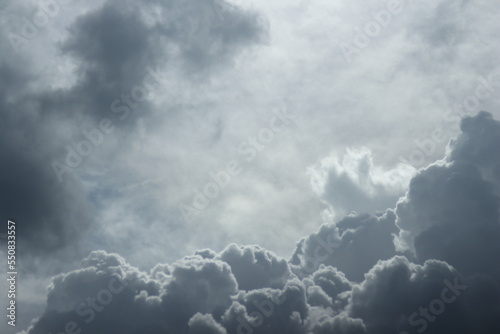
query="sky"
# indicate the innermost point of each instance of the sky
(230, 166)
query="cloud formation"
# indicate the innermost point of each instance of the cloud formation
(355, 281)
(181, 83)
(354, 184)
(451, 211)
(120, 52)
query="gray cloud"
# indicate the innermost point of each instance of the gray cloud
(52, 215)
(477, 145)
(353, 245)
(399, 296)
(114, 47)
(451, 211)
(254, 267)
(116, 44)
(204, 324)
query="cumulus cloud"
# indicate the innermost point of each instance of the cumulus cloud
(353, 245)
(400, 296)
(96, 296)
(451, 210)
(477, 145)
(353, 183)
(254, 267)
(452, 286)
(192, 295)
(204, 324)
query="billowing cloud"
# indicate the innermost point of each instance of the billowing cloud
(398, 296)
(204, 324)
(254, 267)
(96, 296)
(354, 183)
(478, 145)
(451, 210)
(190, 296)
(353, 245)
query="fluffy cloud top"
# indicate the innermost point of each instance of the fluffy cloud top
(353, 183)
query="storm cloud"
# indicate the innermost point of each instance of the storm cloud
(450, 283)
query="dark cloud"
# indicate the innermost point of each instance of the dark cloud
(199, 295)
(107, 291)
(339, 324)
(118, 46)
(400, 296)
(451, 211)
(204, 324)
(255, 268)
(479, 144)
(49, 215)
(328, 284)
(269, 311)
(353, 245)
(115, 48)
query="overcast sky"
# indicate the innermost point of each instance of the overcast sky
(337, 161)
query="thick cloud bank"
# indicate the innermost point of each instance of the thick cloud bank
(430, 265)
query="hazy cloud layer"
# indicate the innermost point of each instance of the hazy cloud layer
(116, 47)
